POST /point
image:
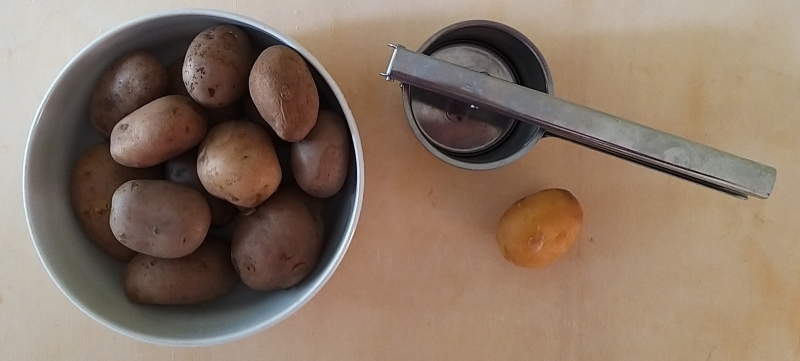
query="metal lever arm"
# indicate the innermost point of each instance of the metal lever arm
(657, 150)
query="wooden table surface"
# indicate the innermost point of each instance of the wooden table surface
(663, 269)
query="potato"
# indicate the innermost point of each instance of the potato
(159, 218)
(214, 116)
(279, 244)
(217, 65)
(94, 179)
(131, 82)
(160, 130)
(175, 84)
(320, 161)
(539, 228)
(237, 162)
(284, 92)
(203, 275)
(183, 169)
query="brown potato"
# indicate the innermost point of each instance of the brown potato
(279, 244)
(159, 218)
(237, 162)
(175, 84)
(203, 275)
(538, 229)
(319, 162)
(94, 179)
(160, 130)
(284, 92)
(183, 169)
(217, 65)
(131, 82)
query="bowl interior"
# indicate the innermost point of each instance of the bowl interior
(92, 280)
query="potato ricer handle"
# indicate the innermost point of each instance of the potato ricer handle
(657, 150)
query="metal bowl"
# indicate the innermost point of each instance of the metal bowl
(92, 280)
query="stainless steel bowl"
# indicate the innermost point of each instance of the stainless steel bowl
(93, 281)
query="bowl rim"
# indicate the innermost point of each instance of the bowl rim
(315, 287)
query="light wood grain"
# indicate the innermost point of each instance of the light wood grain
(664, 270)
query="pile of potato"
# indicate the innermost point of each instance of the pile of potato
(220, 138)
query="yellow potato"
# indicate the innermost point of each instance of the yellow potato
(539, 228)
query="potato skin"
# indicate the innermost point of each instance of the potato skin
(538, 229)
(203, 275)
(283, 91)
(95, 177)
(131, 82)
(217, 65)
(183, 169)
(237, 162)
(214, 116)
(156, 132)
(159, 218)
(320, 161)
(279, 244)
